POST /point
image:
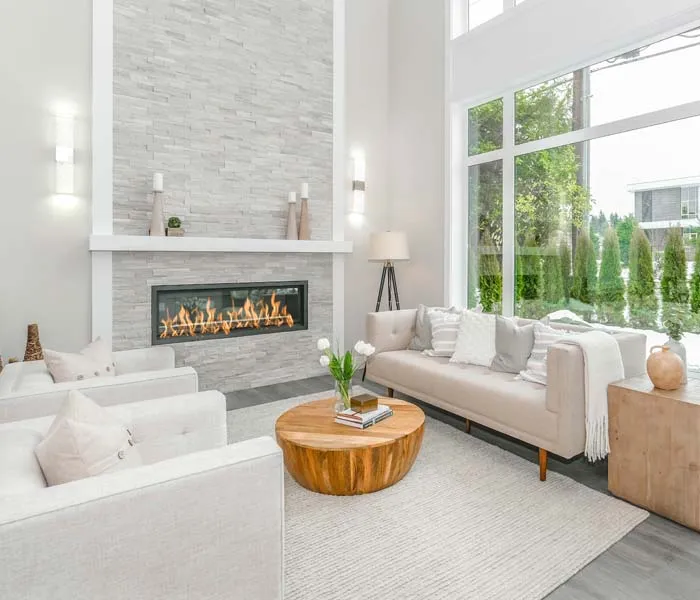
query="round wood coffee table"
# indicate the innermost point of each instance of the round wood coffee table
(329, 458)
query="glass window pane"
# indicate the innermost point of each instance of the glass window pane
(485, 124)
(481, 11)
(644, 80)
(548, 200)
(625, 216)
(548, 109)
(485, 236)
(651, 78)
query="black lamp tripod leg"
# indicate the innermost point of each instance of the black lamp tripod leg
(381, 289)
(390, 269)
(392, 283)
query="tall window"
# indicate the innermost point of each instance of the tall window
(470, 14)
(581, 194)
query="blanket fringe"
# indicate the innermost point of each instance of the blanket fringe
(597, 439)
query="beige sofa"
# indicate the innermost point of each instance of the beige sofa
(549, 417)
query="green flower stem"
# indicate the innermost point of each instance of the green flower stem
(344, 389)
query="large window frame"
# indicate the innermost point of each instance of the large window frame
(458, 201)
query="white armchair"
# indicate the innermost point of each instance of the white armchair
(200, 520)
(28, 391)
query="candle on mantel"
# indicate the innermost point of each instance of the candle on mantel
(292, 197)
(304, 191)
(157, 182)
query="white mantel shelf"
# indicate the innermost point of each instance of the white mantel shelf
(137, 243)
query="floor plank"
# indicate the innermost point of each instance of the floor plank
(658, 560)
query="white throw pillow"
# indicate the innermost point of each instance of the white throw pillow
(95, 360)
(85, 440)
(20, 472)
(476, 340)
(536, 369)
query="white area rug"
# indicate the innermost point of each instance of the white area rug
(469, 521)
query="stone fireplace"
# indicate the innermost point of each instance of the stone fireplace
(186, 313)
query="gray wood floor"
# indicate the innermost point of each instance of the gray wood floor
(659, 559)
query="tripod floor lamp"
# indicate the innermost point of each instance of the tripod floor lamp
(388, 247)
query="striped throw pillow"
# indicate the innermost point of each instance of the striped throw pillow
(444, 327)
(536, 368)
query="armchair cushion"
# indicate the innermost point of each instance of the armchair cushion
(85, 440)
(20, 472)
(95, 360)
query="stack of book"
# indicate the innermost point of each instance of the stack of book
(363, 420)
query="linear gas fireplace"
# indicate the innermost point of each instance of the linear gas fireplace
(188, 313)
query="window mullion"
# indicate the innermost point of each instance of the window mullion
(508, 295)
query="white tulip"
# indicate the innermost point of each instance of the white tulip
(360, 347)
(324, 360)
(369, 350)
(323, 344)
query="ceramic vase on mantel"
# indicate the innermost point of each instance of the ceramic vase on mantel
(157, 218)
(292, 231)
(678, 348)
(304, 223)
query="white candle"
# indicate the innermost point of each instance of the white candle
(305, 191)
(157, 182)
(292, 197)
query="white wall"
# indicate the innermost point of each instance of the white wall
(539, 38)
(367, 127)
(417, 144)
(45, 272)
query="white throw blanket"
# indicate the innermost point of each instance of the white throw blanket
(602, 365)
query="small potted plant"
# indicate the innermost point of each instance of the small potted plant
(343, 367)
(674, 328)
(174, 227)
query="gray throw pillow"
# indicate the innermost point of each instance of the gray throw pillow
(513, 346)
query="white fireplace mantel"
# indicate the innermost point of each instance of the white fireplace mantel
(136, 243)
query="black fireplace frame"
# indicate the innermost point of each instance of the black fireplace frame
(156, 340)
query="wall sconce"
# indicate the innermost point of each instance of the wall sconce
(358, 183)
(65, 155)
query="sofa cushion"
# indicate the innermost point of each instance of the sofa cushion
(513, 345)
(84, 440)
(469, 390)
(34, 381)
(20, 472)
(95, 360)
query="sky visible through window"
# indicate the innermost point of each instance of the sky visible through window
(661, 76)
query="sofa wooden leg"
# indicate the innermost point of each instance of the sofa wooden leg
(390, 392)
(468, 426)
(543, 464)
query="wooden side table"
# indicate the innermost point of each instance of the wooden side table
(655, 448)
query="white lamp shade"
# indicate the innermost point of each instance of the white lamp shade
(388, 246)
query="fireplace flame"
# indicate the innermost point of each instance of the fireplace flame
(211, 321)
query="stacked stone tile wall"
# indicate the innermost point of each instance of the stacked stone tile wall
(232, 102)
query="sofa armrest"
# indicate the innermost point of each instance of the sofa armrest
(198, 526)
(106, 391)
(391, 330)
(144, 359)
(566, 396)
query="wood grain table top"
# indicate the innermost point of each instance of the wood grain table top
(689, 393)
(312, 425)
